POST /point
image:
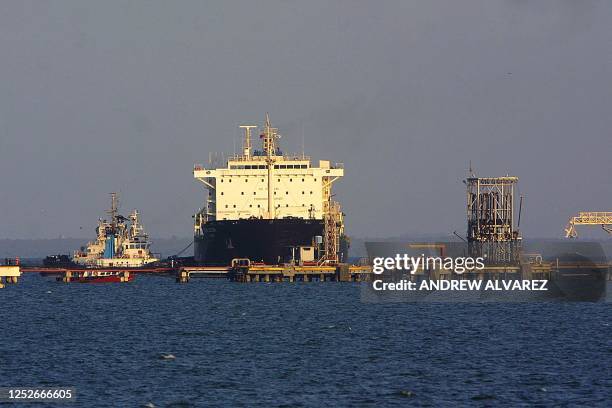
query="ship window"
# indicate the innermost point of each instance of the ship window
(258, 205)
(279, 180)
(234, 205)
(302, 180)
(230, 180)
(242, 193)
(262, 180)
(276, 166)
(275, 193)
(290, 179)
(222, 193)
(251, 205)
(262, 167)
(225, 205)
(222, 180)
(315, 179)
(311, 192)
(302, 192)
(286, 192)
(246, 180)
(254, 192)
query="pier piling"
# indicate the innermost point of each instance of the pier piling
(182, 276)
(9, 273)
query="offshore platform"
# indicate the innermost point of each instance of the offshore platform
(492, 230)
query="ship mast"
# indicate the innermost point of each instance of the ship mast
(246, 143)
(269, 146)
(113, 210)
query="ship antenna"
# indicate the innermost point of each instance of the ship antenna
(269, 148)
(303, 141)
(113, 210)
(246, 143)
(269, 136)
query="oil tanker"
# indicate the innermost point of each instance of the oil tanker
(269, 207)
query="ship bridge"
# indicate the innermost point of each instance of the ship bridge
(267, 186)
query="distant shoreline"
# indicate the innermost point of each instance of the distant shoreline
(41, 247)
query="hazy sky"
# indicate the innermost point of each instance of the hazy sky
(128, 95)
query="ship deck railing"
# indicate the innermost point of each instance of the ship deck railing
(253, 157)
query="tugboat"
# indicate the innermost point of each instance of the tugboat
(120, 249)
(120, 243)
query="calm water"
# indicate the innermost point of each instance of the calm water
(312, 344)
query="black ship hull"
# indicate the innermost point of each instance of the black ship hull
(267, 241)
(584, 280)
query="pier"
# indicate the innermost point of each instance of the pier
(340, 273)
(68, 275)
(520, 271)
(245, 272)
(9, 272)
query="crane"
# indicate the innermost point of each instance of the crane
(603, 218)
